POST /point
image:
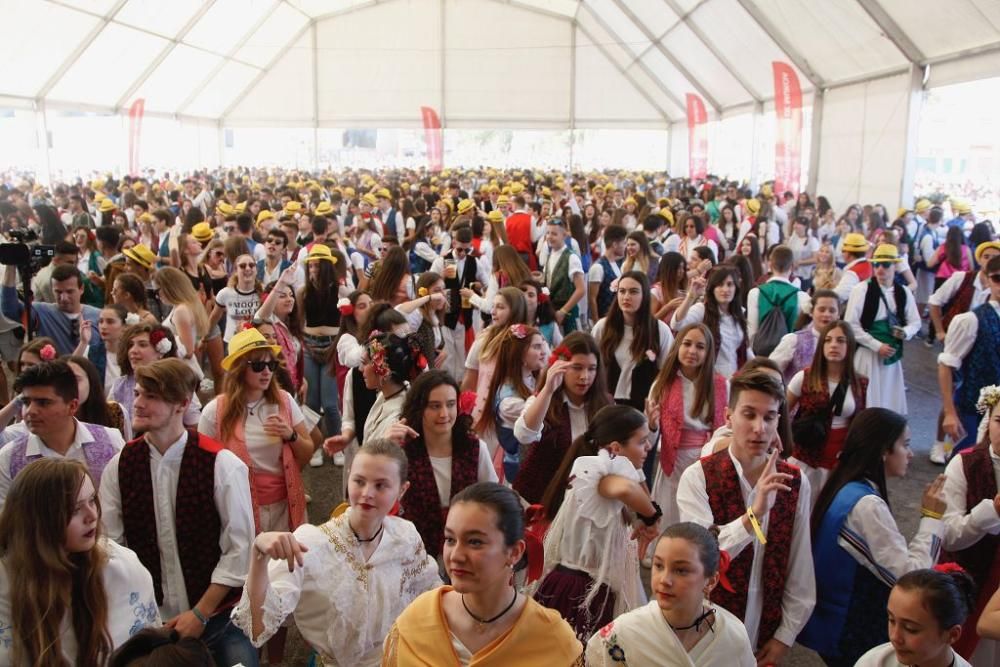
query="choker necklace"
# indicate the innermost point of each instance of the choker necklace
(697, 622)
(256, 404)
(483, 622)
(370, 539)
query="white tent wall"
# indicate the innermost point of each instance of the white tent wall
(863, 143)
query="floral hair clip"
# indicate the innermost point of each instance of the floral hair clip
(131, 319)
(561, 353)
(48, 353)
(988, 397)
(422, 291)
(947, 568)
(543, 296)
(519, 331)
(345, 306)
(246, 326)
(376, 354)
(160, 341)
(375, 333)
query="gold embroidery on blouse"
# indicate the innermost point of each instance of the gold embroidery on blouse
(411, 568)
(360, 569)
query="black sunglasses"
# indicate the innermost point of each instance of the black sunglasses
(258, 365)
(882, 265)
(995, 278)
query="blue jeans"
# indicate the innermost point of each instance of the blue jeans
(228, 644)
(322, 394)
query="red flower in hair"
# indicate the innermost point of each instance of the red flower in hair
(543, 295)
(946, 568)
(724, 561)
(246, 326)
(47, 353)
(561, 353)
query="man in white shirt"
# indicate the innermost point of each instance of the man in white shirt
(563, 273)
(779, 292)
(755, 498)
(49, 399)
(182, 503)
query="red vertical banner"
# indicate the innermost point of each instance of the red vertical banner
(434, 137)
(134, 132)
(788, 130)
(697, 137)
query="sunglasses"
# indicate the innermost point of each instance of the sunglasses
(246, 266)
(995, 278)
(882, 265)
(258, 366)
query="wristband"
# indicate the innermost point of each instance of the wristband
(295, 436)
(200, 616)
(930, 514)
(756, 526)
(652, 518)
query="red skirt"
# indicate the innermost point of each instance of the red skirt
(564, 589)
(827, 457)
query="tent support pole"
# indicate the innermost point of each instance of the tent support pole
(914, 106)
(815, 143)
(757, 117)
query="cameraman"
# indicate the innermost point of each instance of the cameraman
(59, 321)
(66, 254)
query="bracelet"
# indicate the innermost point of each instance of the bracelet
(756, 526)
(930, 514)
(652, 518)
(200, 616)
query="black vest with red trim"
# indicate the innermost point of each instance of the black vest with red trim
(197, 523)
(543, 459)
(726, 501)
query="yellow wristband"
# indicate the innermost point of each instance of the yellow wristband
(756, 526)
(930, 514)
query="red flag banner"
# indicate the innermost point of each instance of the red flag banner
(134, 131)
(434, 137)
(788, 130)
(697, 137)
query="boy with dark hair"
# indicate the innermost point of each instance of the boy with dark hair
(777, 292)
(606, 270)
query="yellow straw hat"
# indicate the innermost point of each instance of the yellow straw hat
(244, 342)
(107, 205)
(465, 206)
(264, 215)
(495, 216)
(752, 206)
(855, 242)
(886, 252)
(324, 208)
(983, 247)
(202, 232)
(141, 255)
(320, 251)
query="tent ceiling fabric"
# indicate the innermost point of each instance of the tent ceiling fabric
(377, 61)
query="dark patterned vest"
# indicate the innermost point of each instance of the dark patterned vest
(726, 500)
(560, 285)
(196, 518)
(422, 503)
(962, 300)
(605, 297)
(816, 402)
(544, 457)
(465, 278)
(643, 375)
(981, 366)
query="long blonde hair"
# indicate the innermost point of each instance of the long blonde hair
(234, 387)
(176, 287)
(46, 581)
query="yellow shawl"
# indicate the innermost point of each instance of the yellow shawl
(539, 638)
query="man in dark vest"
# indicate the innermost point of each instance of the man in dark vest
(761, 506)
(563, 273)
(605, 271)
(182, 502)
(972, 350)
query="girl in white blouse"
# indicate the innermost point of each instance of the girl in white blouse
(378, 561)
(59, 576)
(722, 312)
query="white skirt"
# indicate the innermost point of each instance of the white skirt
(886, 387)
(665, 488)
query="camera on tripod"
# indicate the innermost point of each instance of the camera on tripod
(26, 253)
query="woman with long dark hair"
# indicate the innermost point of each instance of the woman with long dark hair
(639, 256)
(856, 542)
(671, 283)
(94, 408)
(722, 313)
(69, 595)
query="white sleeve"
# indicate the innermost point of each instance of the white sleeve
(438, 265)
(295, 409)
(5, 478)
(942, 295)
(959, 340)
(848, 279)
(522, 433)
(805, 303)
(963, 526)
(208, 419)
(485, 303)
(232, 498)
(472, 359)
(487, 473)
(795, 384)
(696, 313)
(350, 352)
(424, 251)
(888, 556)
(799, 598)
(666, 342)
(596, 274)
(111, 501)
(692, 502)
(785, 351)
(913, 321)
(347, 409)
(753, 312)
(575, 266)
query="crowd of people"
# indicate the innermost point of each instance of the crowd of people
(537, 385)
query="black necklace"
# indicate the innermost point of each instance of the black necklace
(486, 621)
(697, 622)
(372, 538)
(255, 405)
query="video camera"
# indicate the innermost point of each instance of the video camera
(26, 254)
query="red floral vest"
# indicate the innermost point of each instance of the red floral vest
(672, 411)
(544, 457)
(726, 500)
(196, 518)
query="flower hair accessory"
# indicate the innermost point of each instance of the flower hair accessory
(724, 561)
(988, 397)
(160, 341)
(948, 568)
(561, 353)
(543, 296)
(519, 331)
(246, 326)
(345, 306)
(48, 353)
(131, 319)
(422, 291)
(377, 354)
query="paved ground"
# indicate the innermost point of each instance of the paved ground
(924, 402)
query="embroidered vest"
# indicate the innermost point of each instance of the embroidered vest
(422, 503)
(197, 523)
(726, 500)
(805, 349)
(559, 283)
(672, 411)
(237, 444)
(96, 454)
(544, 457)
(962, 300)
(981, 366)
(643, 374)
(815, 402)
(605, 297)
(463, 279)
(850, 615)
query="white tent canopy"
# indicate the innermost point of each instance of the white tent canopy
(538, 64)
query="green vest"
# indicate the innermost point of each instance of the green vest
(560, 286)
(771, 294)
